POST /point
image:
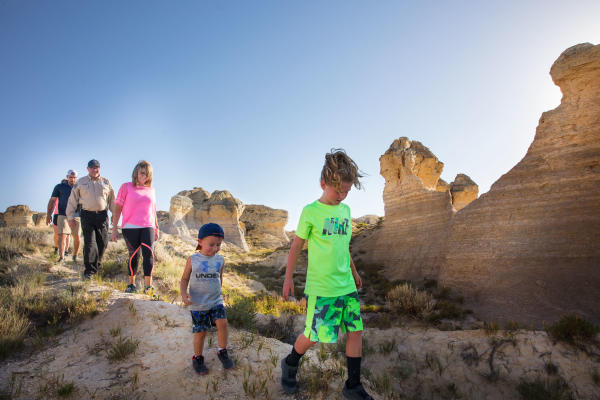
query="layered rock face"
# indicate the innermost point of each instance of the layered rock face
(19, 215)
(463, 191)
(39, 219)
(265, 226)
(529, 249)
(190, 209)
(418, 210)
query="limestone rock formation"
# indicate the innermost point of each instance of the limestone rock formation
(19, 215)
(265, 226)
(463, 191)
(190, 209)
(442, 186)
(39, 219)
(2, 222)
(411, 240)
(369, 219)
(529, 248)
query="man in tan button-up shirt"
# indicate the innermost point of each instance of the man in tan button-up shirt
(96, 196)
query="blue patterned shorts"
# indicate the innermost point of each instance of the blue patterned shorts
(203, 320)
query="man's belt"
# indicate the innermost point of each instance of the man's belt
(94, 212)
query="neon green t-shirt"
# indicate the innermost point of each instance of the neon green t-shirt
(328, 230)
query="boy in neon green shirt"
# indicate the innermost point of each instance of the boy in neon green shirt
(331, 278)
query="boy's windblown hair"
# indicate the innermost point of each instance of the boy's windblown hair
(338, 168)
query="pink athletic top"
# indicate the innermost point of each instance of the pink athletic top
(139, 205)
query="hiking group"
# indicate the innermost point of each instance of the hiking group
(332, 281)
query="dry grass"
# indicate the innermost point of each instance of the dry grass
(30, 306)
(16, 241)
(406, 299)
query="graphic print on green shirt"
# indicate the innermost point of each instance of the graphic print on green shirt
(328, 231)
(332, 226)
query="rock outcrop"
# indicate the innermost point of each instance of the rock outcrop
(190, 209)
(19, 215)
(265, 226)
(529, 249)
(418, 210)
(463, 191)
(39, 219)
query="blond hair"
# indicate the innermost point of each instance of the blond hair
(143, 166)
(338, 168)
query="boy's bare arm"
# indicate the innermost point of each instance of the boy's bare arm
(295, 249)
(185, 280)
(355, 275)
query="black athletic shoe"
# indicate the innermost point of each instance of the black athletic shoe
(67, 252)
(225, 359)
(56, 250)
(288, 377)
(60, 259)
(74, 257)
(358, 392)
(131, 288)
(198, 364)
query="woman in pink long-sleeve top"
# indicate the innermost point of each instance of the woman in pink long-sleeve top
(136, 200)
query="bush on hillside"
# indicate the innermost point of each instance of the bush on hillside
(572, 329)
(408, 300)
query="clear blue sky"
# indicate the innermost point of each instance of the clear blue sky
(248, 96)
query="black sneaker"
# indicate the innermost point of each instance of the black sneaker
(131, 288)
(358, 392)
(60, 259)
(288, 377)
(225, 359)
(67, 252)
(74, 257)
(198, 364)
(56, 250)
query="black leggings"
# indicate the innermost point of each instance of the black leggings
(140, 240)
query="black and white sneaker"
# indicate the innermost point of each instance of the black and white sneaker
(225, 359)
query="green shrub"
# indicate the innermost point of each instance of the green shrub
(241, 309)
(445, 309)
(572, 329)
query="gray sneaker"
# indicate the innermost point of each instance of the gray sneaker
(225, 359)
(358, 392)
(288, 377)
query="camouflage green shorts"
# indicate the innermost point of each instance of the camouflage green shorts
(326, 315)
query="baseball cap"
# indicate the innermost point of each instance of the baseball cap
(93, 163)
(71, 172)
(210, 229)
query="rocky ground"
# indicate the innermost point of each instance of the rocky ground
(413, 361)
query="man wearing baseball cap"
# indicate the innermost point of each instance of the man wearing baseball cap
(96, 196)
(61, 193)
